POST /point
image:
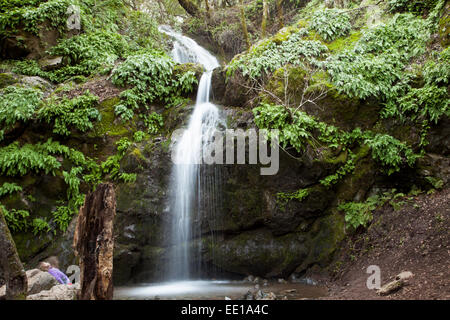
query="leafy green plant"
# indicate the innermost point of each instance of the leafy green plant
(16, 160)
(152, 79)
(413, 6)
(284, 197)
(63, 214)
(390, 152)
(40, 225)
(348, 167)
(18, 104)
(87, 53)
(359, 213)
(331, 23)
(138, 136)
(375, 66)
(437, 72)
(111, 166)
(154, 122)
(9, 188)
(270, 55)
(16, 219)
(72, 180)
(429, 103)
(64, 113)
(31, 14)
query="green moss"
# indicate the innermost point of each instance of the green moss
(108, 125)
(341, 44)
(186, 67)
(284, 34)
(329, 157)
(6, 79)
(444, 27)
(360, 180)
(138, 154)
(326, 234)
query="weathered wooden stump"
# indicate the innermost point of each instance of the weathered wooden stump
(15, 276)
(94, 243)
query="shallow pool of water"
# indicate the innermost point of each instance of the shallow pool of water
(212, 290)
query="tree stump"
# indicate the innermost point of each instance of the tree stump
(94, 243)
(15, 276)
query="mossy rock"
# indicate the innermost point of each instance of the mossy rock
(125, 259)
(6, 79)
(109, 124)
(343, 43)
(186, 67)
(354, 186)
(444, 27)
(259, 253)
(326, 235)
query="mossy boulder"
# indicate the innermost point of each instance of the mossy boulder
(444, 26)
(260, 253)
(7, 79)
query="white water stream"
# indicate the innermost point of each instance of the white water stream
(190, 186)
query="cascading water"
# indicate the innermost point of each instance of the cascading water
(194, 188)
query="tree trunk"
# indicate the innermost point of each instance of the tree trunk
(244, 24)
(208, 14)
(280, 13)
(190, 7)
(94, 243)
(15, 276)
(265, 13)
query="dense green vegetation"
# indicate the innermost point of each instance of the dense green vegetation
(390, 62)
(114, 41)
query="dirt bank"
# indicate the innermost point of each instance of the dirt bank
(414, 238)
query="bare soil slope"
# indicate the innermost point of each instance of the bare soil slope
(414, 238)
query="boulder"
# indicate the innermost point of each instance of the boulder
(39, 281)
(37, 82)
(50, 63)
(58, 292)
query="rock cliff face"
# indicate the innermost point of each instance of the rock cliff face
(253, 234)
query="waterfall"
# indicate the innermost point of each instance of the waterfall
(194, 187)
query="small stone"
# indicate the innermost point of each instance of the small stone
(291, 291)
(405, 275)
(270, 296)
(48, 64)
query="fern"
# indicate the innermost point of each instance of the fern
(359, 213)
(331, 24)
(391, 153)
(40, 225)
(78, 112)
(9, 188)
(269, 56)
(18, 104)
(375, 66)
(16, 219)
